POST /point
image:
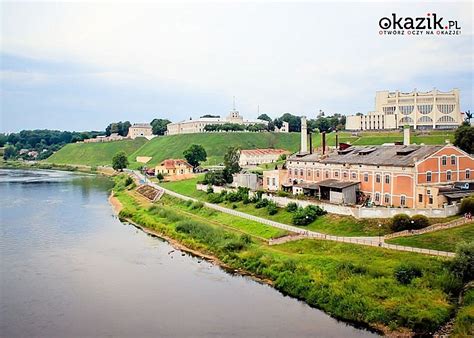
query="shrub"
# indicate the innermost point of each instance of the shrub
(292, 207)
(400, 222)
(272, 208)
(159, 176)
(233, 197)
(215, 198)
(261, 203)
(419, 222)
(463, 263)
(245, 238)
(197, 205)
(467, 205)
(210, 189)
(128, 181)
(282, 193)
(246, 200)
(404, 274)
(300, 217)
(234, 206)
(314, 211)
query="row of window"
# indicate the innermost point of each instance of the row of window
(386, 199)
(444, 160)
(345, 174)
(449, 175)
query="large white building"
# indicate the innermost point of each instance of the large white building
(420, 110)
(197, 126)
(140, 130)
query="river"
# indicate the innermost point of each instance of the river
(70, 268)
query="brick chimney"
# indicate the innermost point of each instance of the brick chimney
(304, 136)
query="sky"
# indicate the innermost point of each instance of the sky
(79, 66)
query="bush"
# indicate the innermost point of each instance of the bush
(404, 274)
(467, 205)
(272, 208)
(292, 207)
(282, 193)
(314, 211)
(261, 203)
(304, 216)
(128, 181)
(419, 222)
(234, 206)
(215, 198)
(462, 265)
(210, 189)
(159, 176)
(400, 222)
(197, 205)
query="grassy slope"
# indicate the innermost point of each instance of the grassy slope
(351, 282)
(445, 240)
(94, 153)
(329, 224)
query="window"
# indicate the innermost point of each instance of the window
(448, 175)
(387, 199)
(428, 176)
(336, 174)
(273, 181)
(290, 171)
(453, 159)
(420, 198)
(377, 197)
(344, 174)
(301, 172)
(387, 179)
(468, 174)
(268, 180)
(403, 200)
(377, 178)
(354, 176)
(366, 177)
(317, 173)
(309, 172)
(443, 160)
(327, 174)
(430, 199)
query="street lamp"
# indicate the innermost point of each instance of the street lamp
(380, 235)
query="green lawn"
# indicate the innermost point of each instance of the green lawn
(444, 240)
(329, 224)
(351, 282)
(94, 154)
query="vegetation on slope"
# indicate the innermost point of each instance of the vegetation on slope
(444, 240)
(355, 283)
(94, 154)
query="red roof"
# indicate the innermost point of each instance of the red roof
(174, 163)
(260, 152)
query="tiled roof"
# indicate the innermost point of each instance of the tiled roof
(174, 163)
(390, 155)
(260, 152)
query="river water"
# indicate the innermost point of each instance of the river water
(70, 268)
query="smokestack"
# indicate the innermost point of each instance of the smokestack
(323, 142)
(406, 136)
(304, 136)
(310, 143)
(337, 140)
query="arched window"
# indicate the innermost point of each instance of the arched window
(406, 110)
(446, 119)
(366, 177)
(453, 159)
(446, 108)
(425, 108)
(444, 159)
(406, 119)
(387, 199)
(428, 176)
(387, 179)
(425, 119)
(448, 175)
(377, 197)
(403, 200)
(377, 178)
(468, 174)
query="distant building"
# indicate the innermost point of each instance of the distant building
(246, 180)
(174, 169)
(140, 130)
(285, 128)
(253, 157)
(103, 138)
(273, 179)
(420, 110)
(197, 126)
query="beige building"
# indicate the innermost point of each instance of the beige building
(285, 128)
(140, 130)
(250, 157)
(420, 110)
(273, 179)
(174, 169)
(197, 126)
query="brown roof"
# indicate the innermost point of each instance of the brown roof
(259, 152)
(388, 155)
(173, 163)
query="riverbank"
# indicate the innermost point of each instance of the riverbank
(355, 284)
(107, 171)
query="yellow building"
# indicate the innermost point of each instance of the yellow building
(174, 169)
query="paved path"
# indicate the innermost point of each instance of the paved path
(370, 241)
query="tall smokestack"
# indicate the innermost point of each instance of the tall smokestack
(337, 140)
(406, 136)
(323, 141)
(304, 136)
(310, 143)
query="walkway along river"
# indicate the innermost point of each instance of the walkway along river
(70, 268)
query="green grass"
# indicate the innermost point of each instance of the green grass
(94, 154)
(445, 240)
(350, 282)
(328, 224)
(464, 320)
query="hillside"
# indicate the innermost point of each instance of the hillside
(164, 147)
(94, 154)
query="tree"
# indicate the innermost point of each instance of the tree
(120, 161)
(159, 126)
(264, 117)
(195, 154)
(9, 152)
(400, 222)
(231, 160)
(294, 122)
(463, 263)
(464, 138)
(120, 128)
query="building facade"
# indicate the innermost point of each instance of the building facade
(252, 157)
(273, 179)
(197, 126)
(420, 110)
(174, 169)
(140, 130)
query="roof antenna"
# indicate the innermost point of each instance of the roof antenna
(233, 103)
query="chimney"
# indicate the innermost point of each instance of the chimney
(304, 136)
(406, 136)
(310, 143)
(323, 142)
(337, 140)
